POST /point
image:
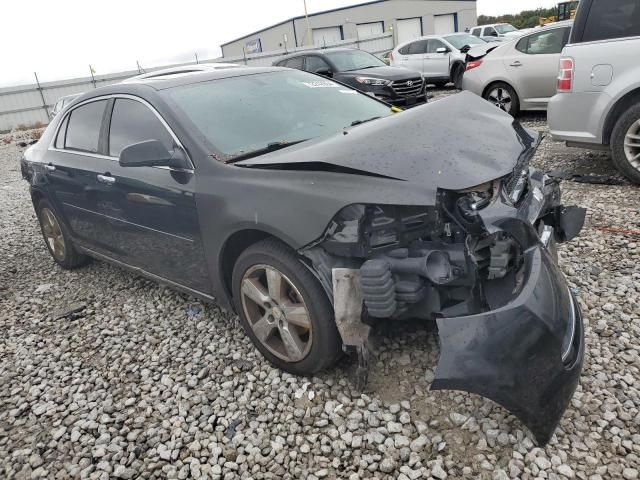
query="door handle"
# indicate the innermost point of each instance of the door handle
(516, 64)
(106, 179)
(50, 168)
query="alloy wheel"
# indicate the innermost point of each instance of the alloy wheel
(501, 98)
(632, 145)
(53, 234)
(276, 312)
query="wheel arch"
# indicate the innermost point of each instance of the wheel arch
(231, 250)
(495, 82)
(36, 196)
(621, 106)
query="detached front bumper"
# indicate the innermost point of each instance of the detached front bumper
(526, 356)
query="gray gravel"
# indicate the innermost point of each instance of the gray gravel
(107, 375)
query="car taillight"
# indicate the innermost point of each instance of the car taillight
(472, 65)
(565, 77)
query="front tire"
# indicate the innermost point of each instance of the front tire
(625, 144)
(284, 310)
(56, 237)
(503, 96)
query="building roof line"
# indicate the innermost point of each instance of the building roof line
(300, 17)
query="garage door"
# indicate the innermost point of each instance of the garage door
(326, 36)
(444, 24)
(370, 29)
(408, 29)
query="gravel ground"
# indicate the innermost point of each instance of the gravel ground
(143, 382)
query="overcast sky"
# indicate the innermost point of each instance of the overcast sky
(60, 38)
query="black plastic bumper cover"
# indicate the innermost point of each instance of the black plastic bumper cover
(513, 355)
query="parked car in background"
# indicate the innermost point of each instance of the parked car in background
(61, 103)
(497, 32)
(440, 58)
(362, 71)
(598, 99)
(386, 57)
(521, 74)
(313, 211)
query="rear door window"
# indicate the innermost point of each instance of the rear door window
(295, 63)
(83, 129)
(476, 32)
(133, 122)
(418, 48)
(609, 19)
(544, 43)
(315, 64)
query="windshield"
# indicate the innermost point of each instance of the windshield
(505, 28)
(459, 41)
(353, 60)
(242, 114)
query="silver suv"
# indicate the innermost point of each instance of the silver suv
(598, 101)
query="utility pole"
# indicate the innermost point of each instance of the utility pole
(306, 16)
(44, 103)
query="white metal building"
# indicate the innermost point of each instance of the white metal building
(406, 19)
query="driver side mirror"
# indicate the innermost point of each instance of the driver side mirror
(326, 72)
(443, 50)
(152, 153)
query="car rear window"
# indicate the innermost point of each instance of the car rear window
(83, 130)
(610, 19)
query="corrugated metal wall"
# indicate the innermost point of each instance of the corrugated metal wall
(23, 105)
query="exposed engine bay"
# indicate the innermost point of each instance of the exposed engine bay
(469, 256)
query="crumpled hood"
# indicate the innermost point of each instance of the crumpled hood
(455, 143)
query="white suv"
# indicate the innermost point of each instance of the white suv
(598, 99)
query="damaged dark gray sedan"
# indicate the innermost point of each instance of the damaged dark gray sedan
(315, 211)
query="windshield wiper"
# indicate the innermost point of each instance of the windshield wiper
(360, 122)
(271, 147)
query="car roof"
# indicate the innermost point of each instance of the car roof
(181, 70)
(171, 81)
(319, 52)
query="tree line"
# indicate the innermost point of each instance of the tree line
(525, 19)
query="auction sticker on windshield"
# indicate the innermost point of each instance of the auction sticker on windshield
(321, 84)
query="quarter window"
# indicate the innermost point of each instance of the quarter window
(133, 122)
(476, 32)
(83, 129)
(61, 133)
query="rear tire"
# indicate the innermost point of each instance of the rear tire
(279, 301)
(503, 96)
(57, 238)
(456, 75)
(625, 144)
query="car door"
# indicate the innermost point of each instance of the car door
(151, 211)
(76, 158)
(413, 54)
(436, 64)
(532, 65)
